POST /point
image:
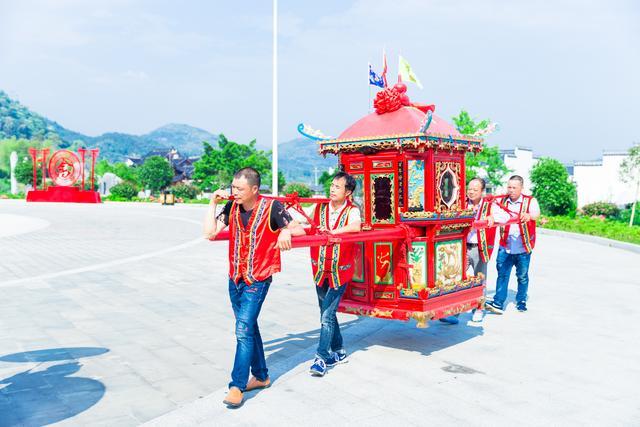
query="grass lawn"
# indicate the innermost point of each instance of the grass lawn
(615, 230)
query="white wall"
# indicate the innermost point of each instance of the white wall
(596, 181)
(519, 163)
(600, 181)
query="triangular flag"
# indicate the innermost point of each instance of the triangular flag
(406, 73)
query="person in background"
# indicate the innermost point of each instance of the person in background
(516, 245)
(480, 242)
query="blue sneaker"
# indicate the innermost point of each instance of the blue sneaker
(522, 306)
(319, 368)
(337, 358)
(451, 320)
(494, 307)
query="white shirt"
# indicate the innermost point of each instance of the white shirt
(534, 211)
(498, 214)
(514, 241)
(354, 214)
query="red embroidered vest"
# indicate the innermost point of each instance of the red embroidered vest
(486, 236)
(334, 262)
(527, 230)
(253, 252)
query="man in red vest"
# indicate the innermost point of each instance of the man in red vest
(333, 268)
(259, 229)
(480, 242)
(516, 245)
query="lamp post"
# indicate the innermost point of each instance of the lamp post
(274, 108)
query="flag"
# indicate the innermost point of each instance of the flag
(405, 73)
(384, 68)
(375, 79)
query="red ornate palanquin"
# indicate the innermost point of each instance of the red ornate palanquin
(409, 165)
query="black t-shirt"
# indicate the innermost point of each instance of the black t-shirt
(280, 218)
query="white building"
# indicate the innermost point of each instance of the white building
(596, 181)
(599, 181)
(519, 161)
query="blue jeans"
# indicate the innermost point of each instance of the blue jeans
(330, 336)
(505, 263)
(247, 302)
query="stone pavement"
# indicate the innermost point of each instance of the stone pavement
(117, 314)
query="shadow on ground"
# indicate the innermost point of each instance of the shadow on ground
(48, 393)
(363, 332)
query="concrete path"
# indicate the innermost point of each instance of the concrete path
(118, 314)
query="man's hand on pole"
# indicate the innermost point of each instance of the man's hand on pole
(284, 240)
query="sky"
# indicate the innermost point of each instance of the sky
(559, 77)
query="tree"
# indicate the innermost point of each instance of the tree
(216, 167)
(630, 172)
(325, 180)
(302, 189)
(21, 147)
(120, 169)
(24, 172)
(488, 160)
(466, 125)
(155, 173)
(551, 186)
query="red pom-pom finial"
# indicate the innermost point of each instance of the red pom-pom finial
(391, 99)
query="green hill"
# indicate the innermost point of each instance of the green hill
(298, 158)
(17, 121)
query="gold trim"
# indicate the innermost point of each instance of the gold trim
(409, 141)
(460, 284)
(446, 214)
(392, 197)
(441, 168)
(421, 318)
(450, 228)
(458, 309)
(384, 295)
(359, 311)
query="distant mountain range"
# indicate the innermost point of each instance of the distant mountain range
(298, 158)
(18, 121)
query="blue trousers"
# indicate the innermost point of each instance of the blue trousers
(505, 263)
(330, 336)
(246, 302)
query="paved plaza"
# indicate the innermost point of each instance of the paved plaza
(118, 315)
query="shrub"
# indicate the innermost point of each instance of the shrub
(302, 189)
(5, 186)
(606, 209)
(124, 190)
(551, 186)
(595, 227)
(625, 214)
(184, 191)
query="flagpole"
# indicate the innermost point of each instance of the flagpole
(369, 86)
(274, 107)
